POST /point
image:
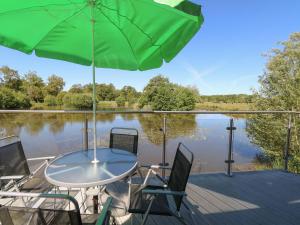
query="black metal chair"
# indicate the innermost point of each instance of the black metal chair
(14, 169)
(124, 138)
(167, 199)
(11, 215)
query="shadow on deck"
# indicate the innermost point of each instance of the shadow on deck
(247, 198)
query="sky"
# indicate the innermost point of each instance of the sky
(224, 57)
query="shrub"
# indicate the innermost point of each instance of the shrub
(78, 101)
(23, 100)
(50, 100)
(121, 101)
(10, 99)
(60, 97)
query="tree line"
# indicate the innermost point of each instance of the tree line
(31, 91)
(234, 98)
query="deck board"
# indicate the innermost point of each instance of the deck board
(247, 198)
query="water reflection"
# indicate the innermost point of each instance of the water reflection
(206, 135)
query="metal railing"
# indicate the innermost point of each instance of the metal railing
(229, 161)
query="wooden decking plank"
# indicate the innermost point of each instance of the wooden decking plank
(244, 205)
(265, 197)
(270, 197)
(216, 207)
(245, 191)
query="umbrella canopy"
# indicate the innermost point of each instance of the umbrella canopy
(119, 34)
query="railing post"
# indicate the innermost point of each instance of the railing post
(230, 160)
(85, 134)
(286, 153)
(164, 131)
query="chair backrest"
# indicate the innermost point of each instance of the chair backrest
(124, 138)
(180, 171)
(45, 216)
(38, 216)
(12, 157)
(11, 215)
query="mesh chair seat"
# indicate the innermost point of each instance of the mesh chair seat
(37, 183)
(154, 201)
(13, 162)
(11, 215)
(124, 138)
(139, 202)
(21, 215)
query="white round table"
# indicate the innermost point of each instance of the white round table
(75, 169)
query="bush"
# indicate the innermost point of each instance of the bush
(10, 99)
(78, 101)
(50, 100)
(60, 97)
(163, 95)
(121, 101)
(23, 100)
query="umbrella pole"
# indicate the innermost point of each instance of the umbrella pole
(95, 160)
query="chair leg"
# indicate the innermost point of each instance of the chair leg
(191, 212)
(147, 212)
(180, 219)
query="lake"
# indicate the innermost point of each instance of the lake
(206, 135)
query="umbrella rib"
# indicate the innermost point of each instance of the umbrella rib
(121, 31)
(32, 7)
(61, 21)
(139, 28)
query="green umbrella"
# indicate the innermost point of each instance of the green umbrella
(120, 34)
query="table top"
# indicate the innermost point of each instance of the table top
(75, 169)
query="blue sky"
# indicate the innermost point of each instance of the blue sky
(225, 57)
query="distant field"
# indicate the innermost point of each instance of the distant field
(223, 106)
(199, 106)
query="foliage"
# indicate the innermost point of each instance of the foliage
(59, 98)
(234, 98)
(33, 86)
(50, 100)
(11, 78)
(76, 88)
(121, 101)
(10, 99)
(279, 90)
(105, 92)
(78, 101)
(163, 95)
(55, 85)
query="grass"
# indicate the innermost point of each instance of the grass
(103, 105)
(223, 106)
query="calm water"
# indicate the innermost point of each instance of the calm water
(206, 135)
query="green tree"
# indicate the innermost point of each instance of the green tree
(130, 94)
(78, 101)
(121, 101)
(106, 92)
(10, 99)
(55, 85)
(76, 88)
(59, 98)
(50, 100)
(33, 86)
(279, 90)
(163, 95)
(10, 78)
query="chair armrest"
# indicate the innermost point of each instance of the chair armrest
(41, 158)
(163, 192)
(15, 177)
(155, 167)
(104, 211)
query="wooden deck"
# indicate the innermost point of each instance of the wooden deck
(247, 198)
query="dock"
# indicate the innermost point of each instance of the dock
(248, 198)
